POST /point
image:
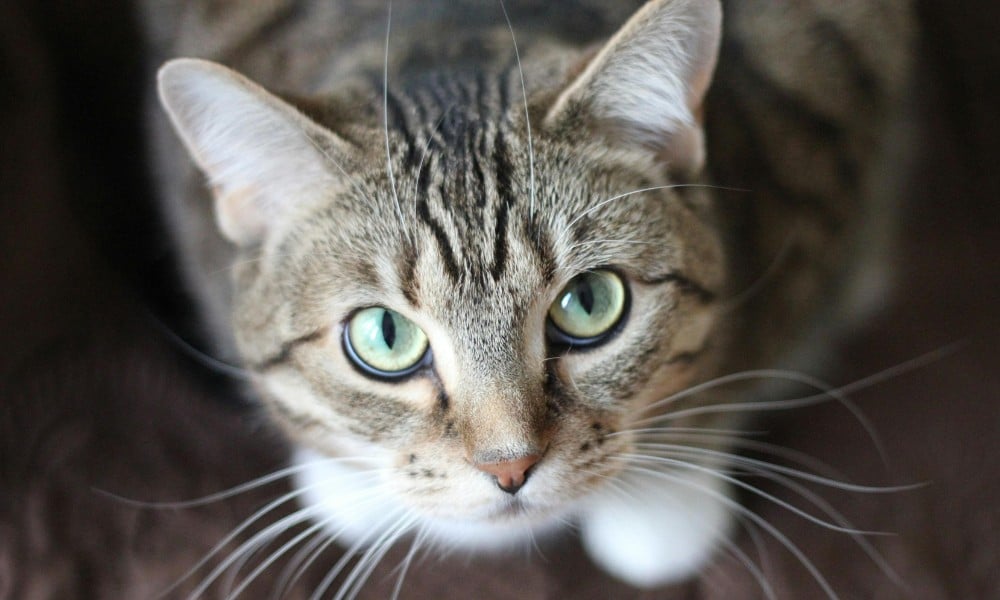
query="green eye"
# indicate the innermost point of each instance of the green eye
(384, 343)
(587, 309)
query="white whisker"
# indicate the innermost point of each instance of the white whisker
(758, 572)
(839, 518)
(298, 564)
(762, 523)
(789, 454)
(385, 115)
(755, 538)
(643, 190)
(704, 431)
(348, 555)
(771, 473)
(404, 566)
(527, 116)
(732, 303)
(561, 240)
(203, 500)
(777, 473)
(207, 360)
(798, 474)
(426, 148)
(606, 201)
(337, 567)
(610, 241)
(326, 155)
(274, 556)
(263, 536)
(228, 582)
(739, 554)
(611, 484)
(534, 546)
(674, 462)
(719, 382)
(315, 550)
(755, 571)
(829, 393)
(232, 535)
(373, 556)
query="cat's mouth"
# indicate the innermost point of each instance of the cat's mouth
(517, 511)
(514, 508)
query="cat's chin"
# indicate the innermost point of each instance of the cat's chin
(662, 532)
(352, 505)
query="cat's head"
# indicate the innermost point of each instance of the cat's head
(479, 312)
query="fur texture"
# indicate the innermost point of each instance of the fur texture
(402, 171)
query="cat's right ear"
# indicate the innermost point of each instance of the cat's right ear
(263, 157)
(644, 89)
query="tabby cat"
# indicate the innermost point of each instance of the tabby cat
(480, 271)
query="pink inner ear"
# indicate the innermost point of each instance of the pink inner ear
(256, 149)
(239, 214)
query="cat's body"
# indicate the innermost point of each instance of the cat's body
(470, 205)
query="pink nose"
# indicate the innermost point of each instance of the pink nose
(510, 474)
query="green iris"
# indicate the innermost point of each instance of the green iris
(385, 343)
(588, 307)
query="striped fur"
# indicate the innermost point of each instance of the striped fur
(462, 184)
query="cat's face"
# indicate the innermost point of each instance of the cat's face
(479, 319)
(440, 338)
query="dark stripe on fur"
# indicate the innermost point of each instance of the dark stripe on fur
(789, 106)
(408, 281)
(863, 80)
(685, 285)
(444, 247)
(399, 122)
(477, 186)
(756, 171)
(500, 242)
(786, 103)
(505, 170)
(285, 352)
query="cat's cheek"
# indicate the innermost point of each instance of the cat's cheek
(666, 531)
(294, 406)
(350, 502)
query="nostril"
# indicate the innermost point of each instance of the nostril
(511, 475)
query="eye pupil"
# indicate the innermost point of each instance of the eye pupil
(585, 295)
(384, 344)
(588, 309)
(388, 329)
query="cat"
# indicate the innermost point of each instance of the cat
(500, 269)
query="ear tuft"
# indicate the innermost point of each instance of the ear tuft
(646, 86)
(261, 155)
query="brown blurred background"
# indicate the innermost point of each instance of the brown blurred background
(93, 394)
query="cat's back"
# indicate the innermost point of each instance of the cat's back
(808, 117)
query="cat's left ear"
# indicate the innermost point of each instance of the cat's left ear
(646, 86)
(264, 159)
